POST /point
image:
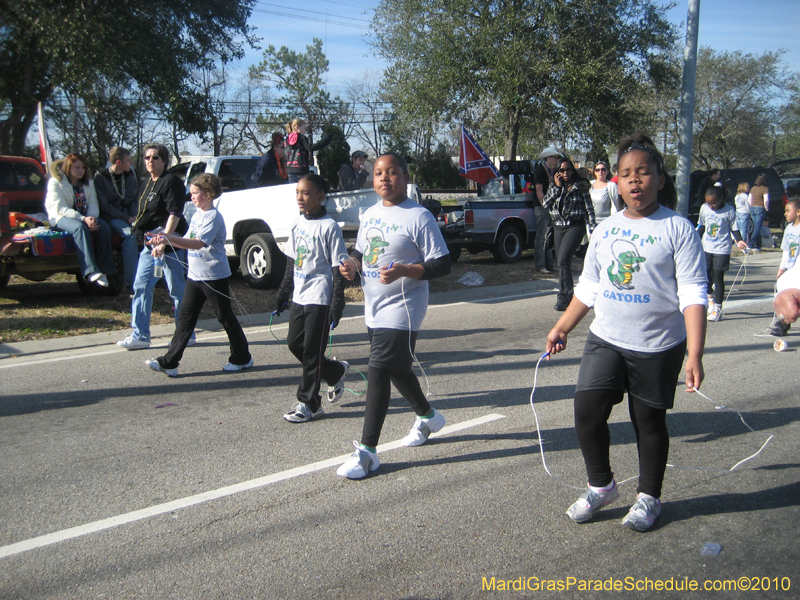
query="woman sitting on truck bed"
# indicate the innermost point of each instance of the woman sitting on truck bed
(72, 206)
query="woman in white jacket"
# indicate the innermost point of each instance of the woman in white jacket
(72, 206)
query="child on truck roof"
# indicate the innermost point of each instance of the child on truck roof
(299, 148)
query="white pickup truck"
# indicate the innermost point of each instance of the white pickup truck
(258, 220)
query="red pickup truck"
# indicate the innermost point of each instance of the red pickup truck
(31, 250)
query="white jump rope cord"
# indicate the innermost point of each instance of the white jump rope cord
(713, 469)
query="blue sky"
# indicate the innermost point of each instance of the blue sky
(725, 25)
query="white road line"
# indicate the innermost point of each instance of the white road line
(160, 509)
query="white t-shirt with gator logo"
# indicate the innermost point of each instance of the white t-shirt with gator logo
(405, 233)
(789, 245)
(315, 245)
(717, 237)
(637, 267)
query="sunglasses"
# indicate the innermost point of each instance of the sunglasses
(601, 169)
(567, 170)
(154, 157)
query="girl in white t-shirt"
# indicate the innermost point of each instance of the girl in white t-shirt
(399, 248)
(644, 275)
(208, 279)
(742, 203)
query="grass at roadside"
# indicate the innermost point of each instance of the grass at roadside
(57, 308)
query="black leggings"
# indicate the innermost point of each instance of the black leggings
(378, 395)
(716, 277)
(592, 410)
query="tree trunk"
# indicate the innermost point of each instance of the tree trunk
(511, 132)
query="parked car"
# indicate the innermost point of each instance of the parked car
(789, 172)
(731, 178)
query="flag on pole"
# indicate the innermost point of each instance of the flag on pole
(44, 141)
(474, 163)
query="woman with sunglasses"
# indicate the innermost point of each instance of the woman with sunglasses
(160, 211)
(604, 193)
(271, 168)
(570, 205)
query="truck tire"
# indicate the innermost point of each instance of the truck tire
(262, 262)
(508, 247)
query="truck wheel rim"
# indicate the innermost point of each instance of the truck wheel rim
(256, 262)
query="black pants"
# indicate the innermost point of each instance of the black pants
(716, 265)
(380, 380)
(592, 410)
(217, 293)
(308, 328)
(567, 240)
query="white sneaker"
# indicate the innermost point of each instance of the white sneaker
(335, 391)
(715, 314)
(192, 341)
(360, 463)
(133, 343)
(423, 428)
(300, 413)
(591, 501)
(98, 278)
(153, 364)
(643, 513)
(230, 367)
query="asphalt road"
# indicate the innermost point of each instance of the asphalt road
(118, 482)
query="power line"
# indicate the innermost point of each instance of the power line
(314, 19)
(366, 21)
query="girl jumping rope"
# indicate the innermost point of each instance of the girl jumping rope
(399, 248)
(720, 228)
(208, 279)
(313, 282)
(644, 274)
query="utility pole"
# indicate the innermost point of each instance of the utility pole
(686, 124)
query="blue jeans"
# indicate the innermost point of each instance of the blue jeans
(757, 213)
(145, 283)
(93, 256)
(743, 223)
(130, 251)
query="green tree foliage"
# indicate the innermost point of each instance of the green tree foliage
(300, 76)
(437, 170)
(789, 140)
(331, 158)
(534, 63)
(47, 45)
(737, 104)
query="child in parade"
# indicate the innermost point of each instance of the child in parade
(399, 248)
(720, 229)
(208, 279)
(316, 287)
(644, 268)
(790, 245)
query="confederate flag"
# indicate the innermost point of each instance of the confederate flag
(473, 162)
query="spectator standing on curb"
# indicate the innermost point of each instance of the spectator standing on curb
(759, 205)
(571, 211)
(542, 179)
(117, 191)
